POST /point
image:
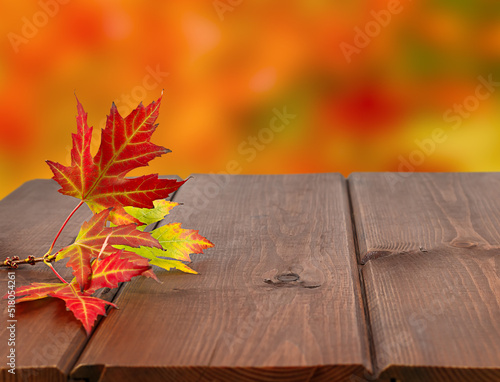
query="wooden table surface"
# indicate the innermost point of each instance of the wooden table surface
(313, 277)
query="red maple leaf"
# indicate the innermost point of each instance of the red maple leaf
(125, 145)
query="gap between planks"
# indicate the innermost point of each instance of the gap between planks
(116, 294)
(366, 311)
(352, 272)
(366, 314)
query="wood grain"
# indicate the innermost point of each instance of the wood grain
(278, 298)
(426, 210)
(48, 338)
(430, 244)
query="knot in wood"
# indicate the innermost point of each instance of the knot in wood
(463, 244)
(288, 277)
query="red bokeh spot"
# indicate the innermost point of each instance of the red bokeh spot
(15, 132)
(365, 110)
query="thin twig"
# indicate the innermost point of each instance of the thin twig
(15, 261)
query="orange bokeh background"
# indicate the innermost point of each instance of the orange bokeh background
(402, 94)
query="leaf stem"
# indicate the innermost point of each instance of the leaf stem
(56, 273)
(47, 259)
(62, 227)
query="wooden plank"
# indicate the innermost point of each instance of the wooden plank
(426, 210)
(48, 338)
(430, 244)
(278, 298)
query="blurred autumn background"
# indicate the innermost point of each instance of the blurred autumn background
(257, 86)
